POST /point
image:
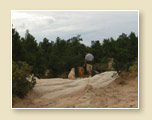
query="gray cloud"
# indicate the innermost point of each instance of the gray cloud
(92, 25)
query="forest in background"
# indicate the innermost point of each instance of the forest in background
(59, 56)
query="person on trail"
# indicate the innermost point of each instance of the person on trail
(89, 58)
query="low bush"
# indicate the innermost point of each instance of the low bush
(20, 84)
(134, 67)
(100, 67)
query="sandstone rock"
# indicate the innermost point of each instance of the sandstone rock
(53, 92)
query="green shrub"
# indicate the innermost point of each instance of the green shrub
(20, 84)
(134, 67)
(100, 67)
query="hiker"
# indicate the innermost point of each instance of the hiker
(89, 58)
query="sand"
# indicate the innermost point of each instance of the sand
(100, 91)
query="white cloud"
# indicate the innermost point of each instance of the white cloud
(92, 25)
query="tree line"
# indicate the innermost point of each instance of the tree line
(61, 55)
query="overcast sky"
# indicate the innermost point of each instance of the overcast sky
(91, 25)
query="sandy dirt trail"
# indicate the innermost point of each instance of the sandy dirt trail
(94, 92)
